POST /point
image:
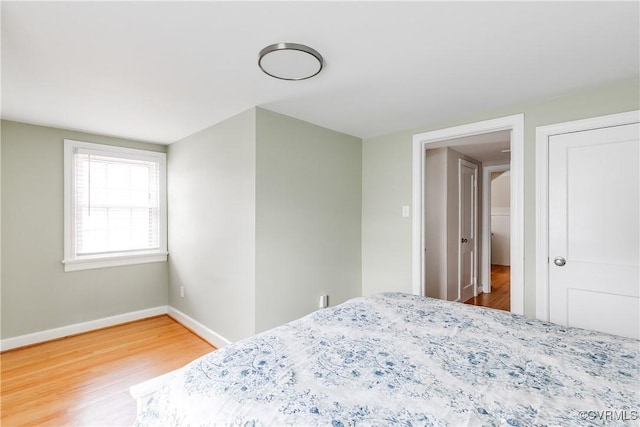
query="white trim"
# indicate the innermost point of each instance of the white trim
(418, 244)
(439, 138)
(90, 263)
(486, 222)
(71, 261)
(79, 328)
(204, 332)
(543, 133)
(201, 330)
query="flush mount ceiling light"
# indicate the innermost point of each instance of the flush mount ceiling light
(290, 61)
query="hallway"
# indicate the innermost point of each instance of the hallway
(500, 296)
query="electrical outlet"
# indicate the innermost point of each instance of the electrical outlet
(181, 291)
(323, 301)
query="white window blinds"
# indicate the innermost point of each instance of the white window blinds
(116, 202)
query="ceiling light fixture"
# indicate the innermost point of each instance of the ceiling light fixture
(290, 61)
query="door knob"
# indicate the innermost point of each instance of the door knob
(559, 261)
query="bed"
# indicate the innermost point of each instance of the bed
(399, 359)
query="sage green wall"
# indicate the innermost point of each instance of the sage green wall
(308, 218)
(387, 175)
(264, 217)
(37, 294)
(211, 192)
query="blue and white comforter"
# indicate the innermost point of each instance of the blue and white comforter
(398, 359)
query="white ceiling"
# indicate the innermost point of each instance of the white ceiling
(160, 71)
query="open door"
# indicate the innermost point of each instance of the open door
(467, 230)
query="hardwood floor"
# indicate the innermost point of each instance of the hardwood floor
(84, 380)
(500, 296)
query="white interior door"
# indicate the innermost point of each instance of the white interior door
(467, 173)
(594, 198)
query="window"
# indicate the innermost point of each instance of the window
(115, 206)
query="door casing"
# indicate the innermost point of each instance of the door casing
(431, 139)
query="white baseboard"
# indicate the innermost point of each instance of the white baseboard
(201, 330)
(78, 328)
(204, 332)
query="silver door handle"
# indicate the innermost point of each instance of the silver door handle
(559, 261)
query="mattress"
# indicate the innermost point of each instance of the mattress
(400, 359)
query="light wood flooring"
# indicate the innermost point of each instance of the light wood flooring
(500, 296)
(84, 380)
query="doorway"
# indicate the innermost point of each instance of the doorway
(451, 223)
(496, 253)
(479, 135)
(460, 266)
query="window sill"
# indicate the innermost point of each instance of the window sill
(113, 261)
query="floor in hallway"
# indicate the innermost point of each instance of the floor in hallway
(500, 296)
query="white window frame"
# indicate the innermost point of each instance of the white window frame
(71, 261)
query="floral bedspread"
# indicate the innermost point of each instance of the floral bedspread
(399, 359)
